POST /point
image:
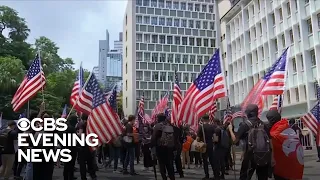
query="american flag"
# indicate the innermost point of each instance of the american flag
(140, 113)
(102, 120)
(177, 99)
(76, 90)
(237, 114)
(277, 103)
(33, 82)
(273, 83)
(160, 107)
(64, 112)
(210, 84)
(213, 110)
(112, 100)
(168, 112)
(228, 113)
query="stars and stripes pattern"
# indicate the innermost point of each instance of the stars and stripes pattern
(112, 99)
(76, 90)
(273, 83)
(212, 111)
(140, 119)
(102, 119)
(237, 114)
(160, 107)
(312, 119)
(64, 112)
(210, 84)
(276, 103)
(228, 113)
(32, 83)
(177, 99)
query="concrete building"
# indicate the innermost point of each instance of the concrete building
(254, 36)
(96, 71)
(103, 51)
(160, 36)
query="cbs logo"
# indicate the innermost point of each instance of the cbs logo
(46, 124)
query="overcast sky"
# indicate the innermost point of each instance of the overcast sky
(76, 26)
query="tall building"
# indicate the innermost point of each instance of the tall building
(160, 37)
(256, 33)
(103, 51)
(96, 71)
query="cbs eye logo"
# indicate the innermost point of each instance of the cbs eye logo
(23, 124)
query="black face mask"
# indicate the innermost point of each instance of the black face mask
(273, 117)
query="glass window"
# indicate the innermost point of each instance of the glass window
(190, 6)
(146, 56)
(297, 94)
(169, 21)
(183, 6)
(162, 21)
(198, 41)
(155, 76)
(162, 39)
(146, 2)
(177, 40)
(170, 76)
(184, 41)
(212, 43)
(168, 4)
(176, 22)
(204, 8)
(184, 23)
(175, 5)
(197, 7)
(139, 37)
(205, 42)
(177, 58)
(169, 40)
(147, 38)
(163, 76)
(199, 59)
(190, 23)
(153, 3)
(170, 58)
(139, 56)
(139, 2)
(186, 77)
(162, 57)
(146, 20)
(212, 25)
(191, 41)
(313, 58)
(283, 40)
(204, 24)
(192, 59)
(291, 36)
(154, 57)
(211, 8)
(198, 24)
(280, 14)
(161, 3)
(273, 19)
(294, 65)
(318, 18)
(185, 59)
(154, 38)
(154, 20)
(139, 19)
(309, 26)
(288, 8)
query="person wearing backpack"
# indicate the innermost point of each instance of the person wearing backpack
(164, 140)
(8, 136)
(257, 156)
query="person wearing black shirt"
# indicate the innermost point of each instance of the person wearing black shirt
(219, 152)
(86, 157)
(209, 130)
(180, 140)
(8, 153)
(68, 169)
(248, 166)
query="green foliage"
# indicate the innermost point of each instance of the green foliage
(11, 72)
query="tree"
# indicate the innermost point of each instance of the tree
(11, 72)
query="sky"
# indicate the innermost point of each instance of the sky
(76, 26)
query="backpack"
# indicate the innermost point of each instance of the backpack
(4, 137)
(225, 139)
(259, 144)
(167, 136)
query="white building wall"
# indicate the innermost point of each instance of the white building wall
(96, 71)
(256, 34)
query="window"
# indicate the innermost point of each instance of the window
(126, 19)
(252, 10)
(170, 58)
(291, 36)
(276, 45)
(297, 94)
(162, 21)
(198, 41)
(155, 76)
(139, 37)
(302, 64)
(146, 20)
(288, 8)
(254, 32)
(139, 56)
(154, 57)
(126, 35)
(169, 21)
(126, 85)
(170, 76)
(162, 57)
(211, 8)
(147, 57)
(283, 40)
(177, 58)
(139, 2)
(204, 8)
(288, 97)
(197, 7)
(184, 41)
(162, 39)
(126, 98)
(184, 23)
(139, 19)
(273, 19)
(309, 26)
(153, 3)
(168, 4)
(154, 38)
(186, 77)
(161, 3)
(205, 42)
(260, 27)
(126, 51)
(294, 65)
(126, 68)
(280, 14)
(163, 76)
(169, 40)
(318, 17)
(176, 22)
(175, 5)
(190, 6)
(249, 36)
(199, 59)
(146, 2)
(191, 41)
(185, 59)
(212, 43)
(262, 53)
(198, 24)
(190, 23)
(212, 25)
(298, 27)
(154, 21)
(313, 58)
(315, 86)
(204, 25)
(147, 38)
(192, 59)
(177, 40)
(183, 6)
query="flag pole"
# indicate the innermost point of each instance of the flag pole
(41, 77)
(28, 109)
(85, 84)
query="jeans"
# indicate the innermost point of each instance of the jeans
(29, 172)
(114, 156)
(129, 159)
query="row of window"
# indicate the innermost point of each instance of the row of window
(190, 6)
(177, 40)
(172, 58)
(165, 76)
(175, 22)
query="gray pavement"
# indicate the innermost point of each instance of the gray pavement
(312, 171)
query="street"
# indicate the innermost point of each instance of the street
(311, 171)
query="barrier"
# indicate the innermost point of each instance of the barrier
(306, 138)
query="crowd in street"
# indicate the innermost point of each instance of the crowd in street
(171, 149)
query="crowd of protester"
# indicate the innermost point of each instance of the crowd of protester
(164, 146)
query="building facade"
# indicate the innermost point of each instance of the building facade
(96, 71)
(103, 52)
(256, 33)
(159, 37)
